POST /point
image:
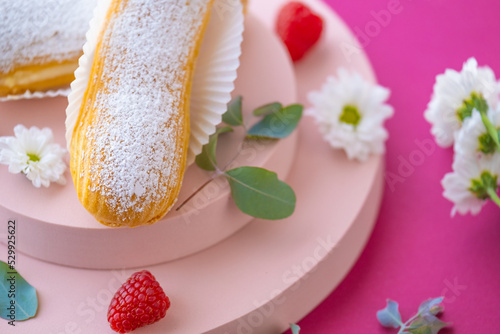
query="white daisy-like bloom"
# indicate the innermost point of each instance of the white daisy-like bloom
(33, 153)
(350, 113)
(473, 139)
(451, 101)
(467, 185)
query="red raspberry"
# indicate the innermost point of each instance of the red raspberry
(140, 301)
(299, 28)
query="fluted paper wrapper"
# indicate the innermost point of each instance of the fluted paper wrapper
(215, 73)
(36, 95)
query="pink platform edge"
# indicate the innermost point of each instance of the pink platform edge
(267, 274)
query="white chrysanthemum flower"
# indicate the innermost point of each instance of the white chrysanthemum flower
(451, 101)
(473, 139)
(472, 183)
(33, 153)
(350, 112)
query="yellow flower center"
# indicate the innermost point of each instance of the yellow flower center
(33, 157)
(350, 115)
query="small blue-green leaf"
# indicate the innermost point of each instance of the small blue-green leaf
(18, 300)
(295, 328)
(389, 316)
(279, 124)
(258, 193)
(419, 330)
(206, 159)
(267, 109)
(233, 114)
(426, 324)
(426, 306)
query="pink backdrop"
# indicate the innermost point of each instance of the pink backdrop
(417, 250)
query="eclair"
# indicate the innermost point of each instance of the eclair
(128, 128)
(40, 43)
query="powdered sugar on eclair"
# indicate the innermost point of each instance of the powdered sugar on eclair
(32, 30)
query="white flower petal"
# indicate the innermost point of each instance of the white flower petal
(450, 90)
(467, 140)
(14, 152)
(457, 183)
(369, 136)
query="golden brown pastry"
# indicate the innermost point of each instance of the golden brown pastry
(40, 43)
(130, 138)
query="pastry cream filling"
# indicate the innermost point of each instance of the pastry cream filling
(38, 77)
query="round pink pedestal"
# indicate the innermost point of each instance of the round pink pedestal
(267, 274)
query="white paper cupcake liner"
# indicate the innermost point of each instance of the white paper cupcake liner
(214, 75)
(37, 95)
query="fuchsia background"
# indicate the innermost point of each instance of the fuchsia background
(417, 250)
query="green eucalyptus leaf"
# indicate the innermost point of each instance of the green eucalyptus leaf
(426, 306)
(18, 300)
(295, 328)
(427, 324)
(206, 159)
(389, 316)
(420, 330)
(233, 115)
(279, 124)
(267, 109)
(258, 193)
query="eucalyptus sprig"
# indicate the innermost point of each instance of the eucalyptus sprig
(424, 322)
(256, 191)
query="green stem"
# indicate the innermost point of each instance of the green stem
(493, 196)
(218, 172)
(402, 329)
(404, 326)
(226, 166)
(213, 177)
(492, 131)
